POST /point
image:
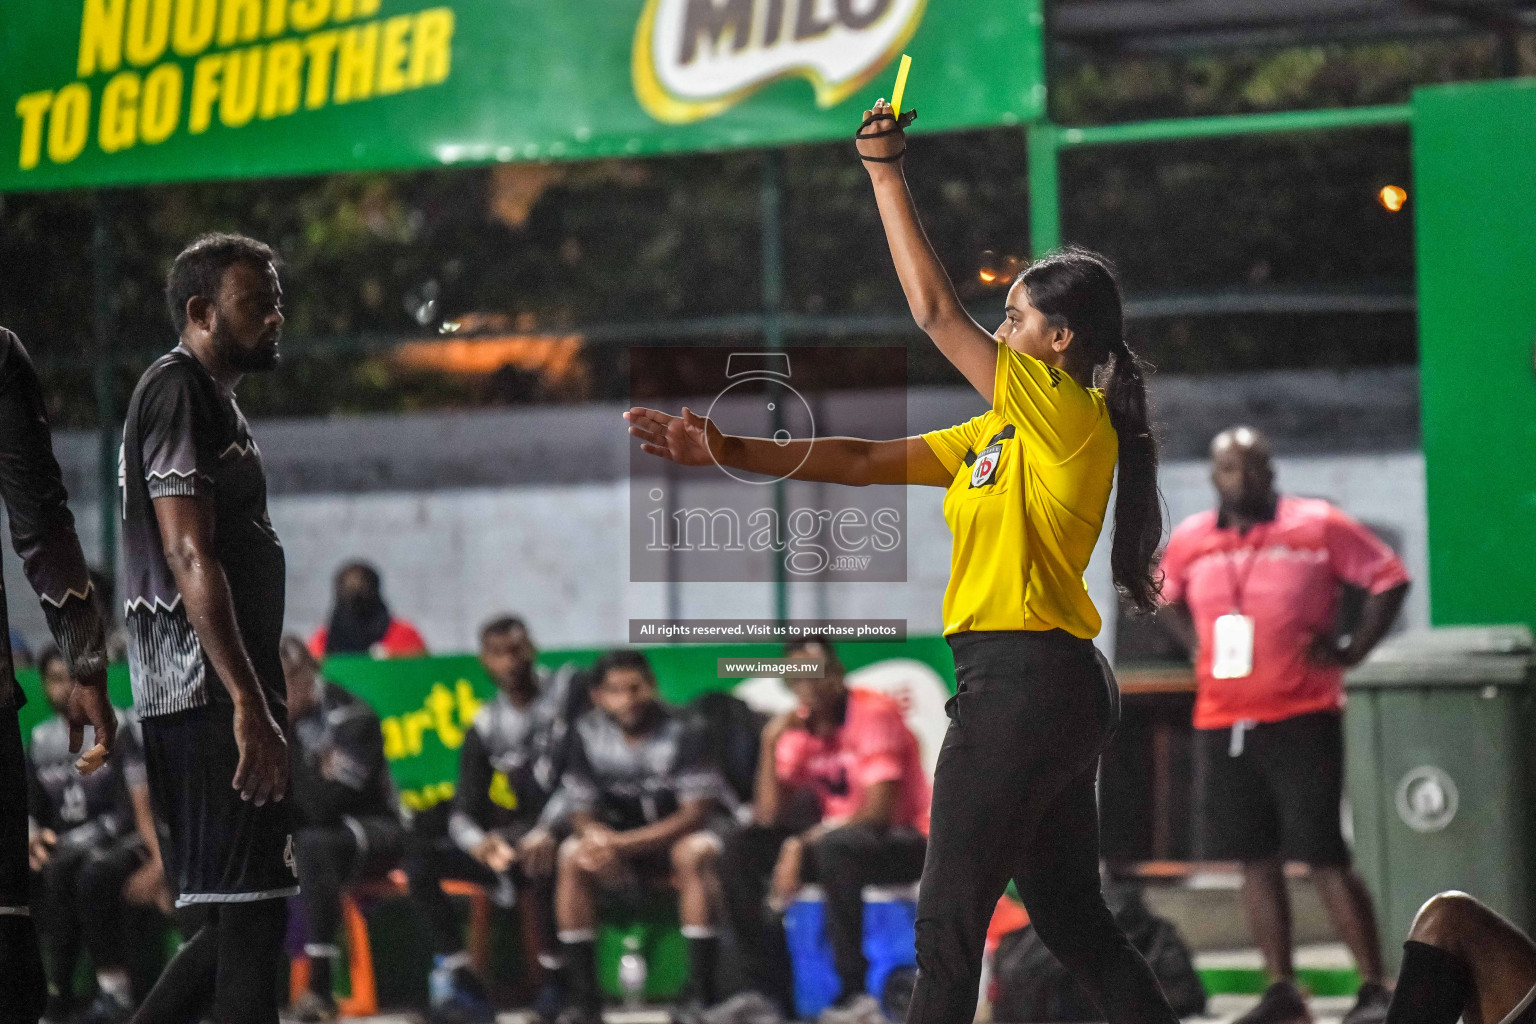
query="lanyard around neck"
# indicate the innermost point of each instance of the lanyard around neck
(1240, 583)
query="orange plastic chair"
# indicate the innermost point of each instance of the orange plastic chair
(479, 921)
(364, 1000)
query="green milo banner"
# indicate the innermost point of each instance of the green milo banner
(120, 92)
(426, 704)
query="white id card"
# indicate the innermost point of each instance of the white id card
(1233, 647)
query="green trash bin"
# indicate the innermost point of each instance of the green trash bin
(1438, 732)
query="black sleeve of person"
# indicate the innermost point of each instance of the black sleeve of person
(42, 528)
(554, 756)
(122, 798)
(39, 806)
(381, 785)
(472, 795)
(696, 775)
(309, 793)
(358, 784)
(362, 740)
(178, 424)
(579, 781)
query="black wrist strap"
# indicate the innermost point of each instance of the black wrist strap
(899, 125)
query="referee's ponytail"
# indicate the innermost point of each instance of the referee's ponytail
(1076, 289)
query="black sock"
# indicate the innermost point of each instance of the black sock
(250, 937)
(1432, 987)
(25, 993)
(703, 955)
(581, 974)
(320, 976)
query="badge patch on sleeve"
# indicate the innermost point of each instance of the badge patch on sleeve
(984, 469)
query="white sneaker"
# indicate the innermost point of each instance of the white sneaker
(743, 1008)
(863, 1009)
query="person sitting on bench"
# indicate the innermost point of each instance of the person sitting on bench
(645, 808)
(851, 749)
(89, 835)
(346, 827)
(497, 836)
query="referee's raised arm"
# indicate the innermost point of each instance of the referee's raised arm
(930, 293)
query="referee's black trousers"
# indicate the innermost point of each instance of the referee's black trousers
(1014, 796)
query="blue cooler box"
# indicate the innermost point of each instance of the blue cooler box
(889, 944)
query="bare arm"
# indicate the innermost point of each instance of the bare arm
(186, 532)
(692, 440)
(768, 791)
(1376, 617)
(968, 346)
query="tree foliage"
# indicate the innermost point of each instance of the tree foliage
(375, 258)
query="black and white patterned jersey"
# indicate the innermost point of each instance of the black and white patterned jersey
(185, 435)
(512, 760)
(627, 785)
(337, 757)
(42, 528)
(61, 799)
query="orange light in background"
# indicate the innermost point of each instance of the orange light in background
(987, 276)
(1392, 197)
(552, 356)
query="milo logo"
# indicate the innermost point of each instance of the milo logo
(694, 59)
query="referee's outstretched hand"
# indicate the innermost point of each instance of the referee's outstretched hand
(262, 773)
(686, 440)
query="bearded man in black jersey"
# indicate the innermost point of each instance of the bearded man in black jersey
(645, 804)
(203, 589)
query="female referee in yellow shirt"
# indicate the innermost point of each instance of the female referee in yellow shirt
(1027, 486)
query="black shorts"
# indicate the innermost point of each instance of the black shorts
(380, 843)
(220, 849)
(1280, 796)
(653, 870)
(15, 875)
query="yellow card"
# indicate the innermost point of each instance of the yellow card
(901, 84)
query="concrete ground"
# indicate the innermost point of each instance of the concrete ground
(1222, 1010)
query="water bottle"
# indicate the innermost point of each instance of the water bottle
(632, 972)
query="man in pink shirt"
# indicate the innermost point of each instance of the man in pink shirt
(842, 800)
(1253, 590)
